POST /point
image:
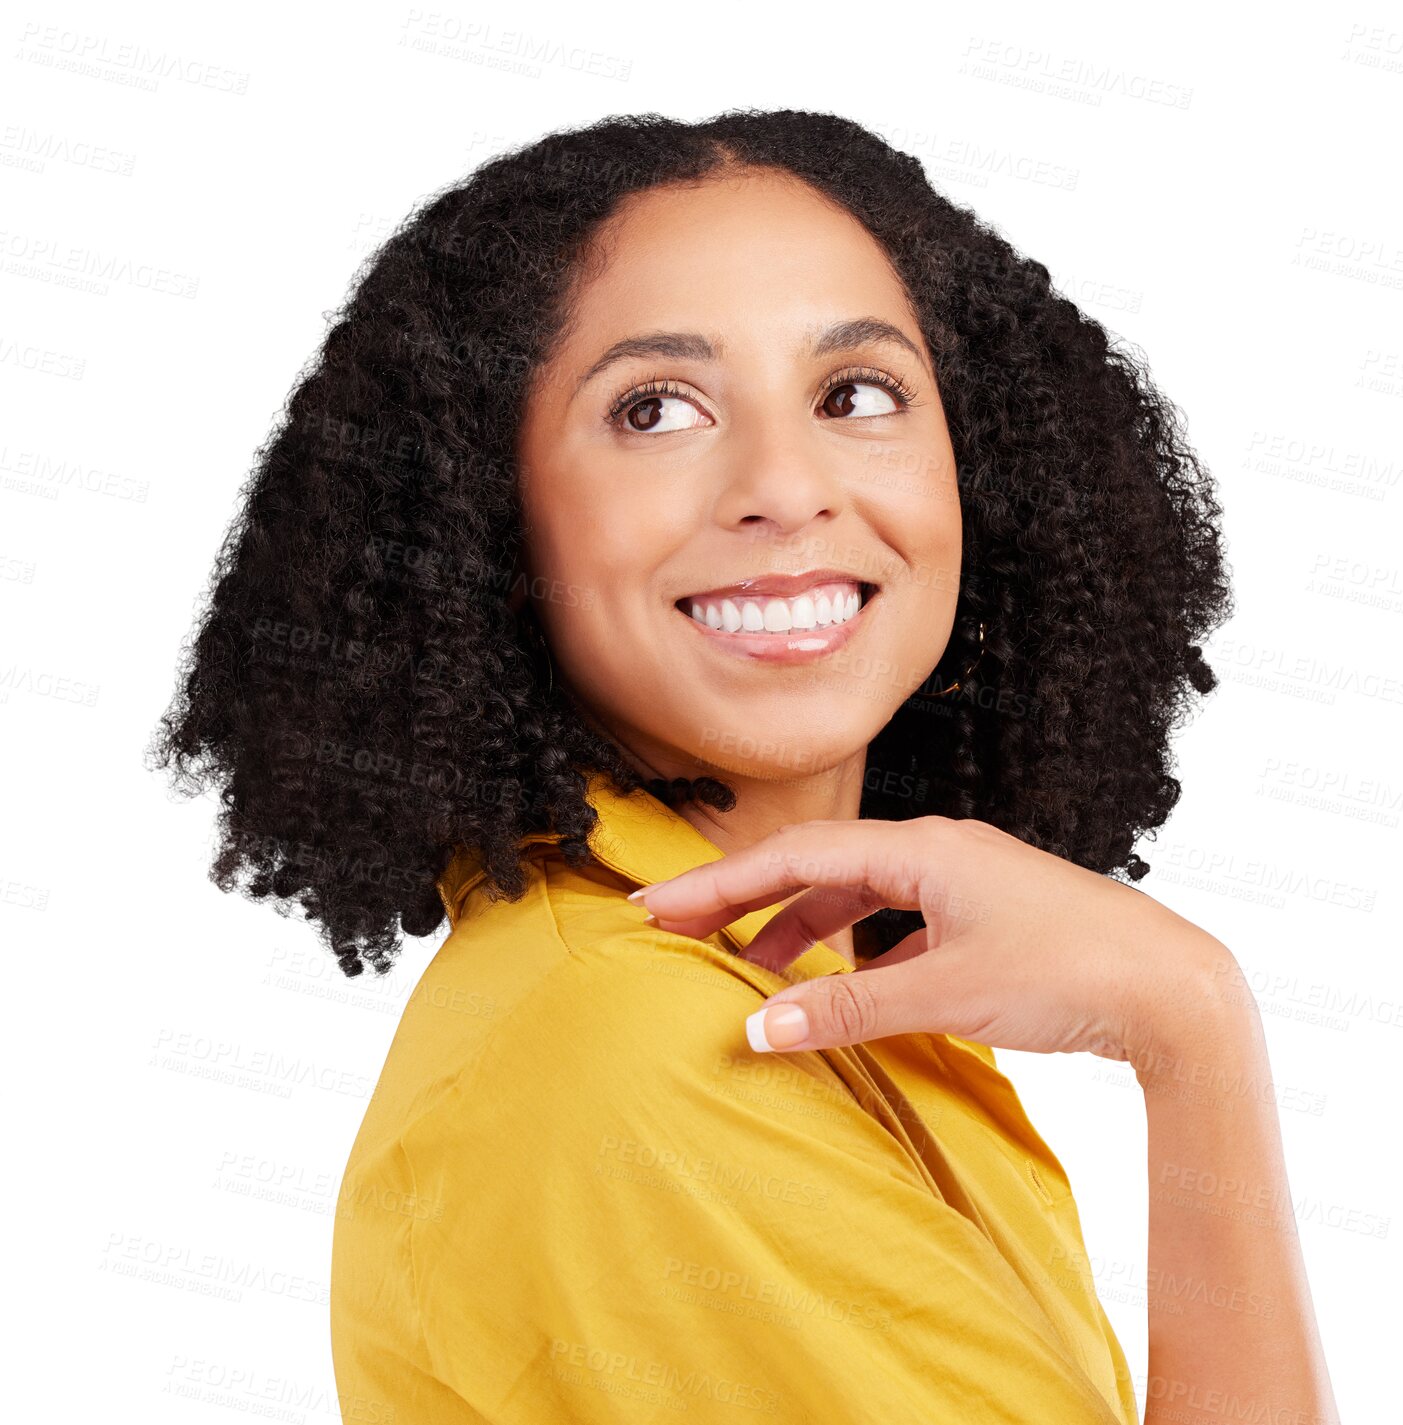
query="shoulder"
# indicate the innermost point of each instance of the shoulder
(628, 1001)
(621, 972)
(633, 1043)
(574, 979)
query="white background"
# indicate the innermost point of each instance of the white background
(189, 1069)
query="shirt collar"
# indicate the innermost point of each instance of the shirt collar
(645, 841)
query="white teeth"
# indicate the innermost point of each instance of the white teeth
(819, 608)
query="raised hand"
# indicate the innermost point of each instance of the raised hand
(1021, 949)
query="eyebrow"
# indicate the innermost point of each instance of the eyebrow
(693, 346)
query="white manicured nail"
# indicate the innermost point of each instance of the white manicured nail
(788, 1021)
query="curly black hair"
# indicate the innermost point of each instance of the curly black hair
(362, 692)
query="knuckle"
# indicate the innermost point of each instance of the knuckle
(985, 831)
(852, 1009)
(802, 922)
(950, 835)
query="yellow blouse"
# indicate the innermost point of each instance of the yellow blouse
(579, 1196)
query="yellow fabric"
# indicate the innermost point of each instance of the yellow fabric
(578, 1196)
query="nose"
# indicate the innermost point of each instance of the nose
(778, 483)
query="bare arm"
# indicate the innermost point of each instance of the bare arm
(1232, 1331)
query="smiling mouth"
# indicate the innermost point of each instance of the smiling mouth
(824, 606)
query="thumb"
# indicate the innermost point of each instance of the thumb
(819, 1014)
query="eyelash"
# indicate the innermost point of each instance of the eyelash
(867, 375)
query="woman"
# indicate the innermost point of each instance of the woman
(718, 504)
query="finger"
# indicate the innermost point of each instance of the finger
(809, 918)
(916, 944)
(897, 998)
(700, 926)
(864, 853)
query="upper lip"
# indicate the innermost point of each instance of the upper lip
(783, 586)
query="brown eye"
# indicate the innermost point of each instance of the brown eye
(844, 400)
(645, 415)
(650, 414)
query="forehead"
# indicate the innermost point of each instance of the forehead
(756, 244)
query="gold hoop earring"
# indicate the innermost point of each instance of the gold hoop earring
(960, 681)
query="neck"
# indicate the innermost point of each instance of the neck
(765, 804)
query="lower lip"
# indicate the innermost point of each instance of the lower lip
(797, 646)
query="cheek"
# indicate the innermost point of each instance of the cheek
(567, 530)
(924, 521)
(599, 562)
(616, 535)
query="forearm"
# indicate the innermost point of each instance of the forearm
(1232, 1331)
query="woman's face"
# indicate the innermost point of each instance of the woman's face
(730, 404)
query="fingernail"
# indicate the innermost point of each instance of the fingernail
(643, 890)
(786, 1026)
